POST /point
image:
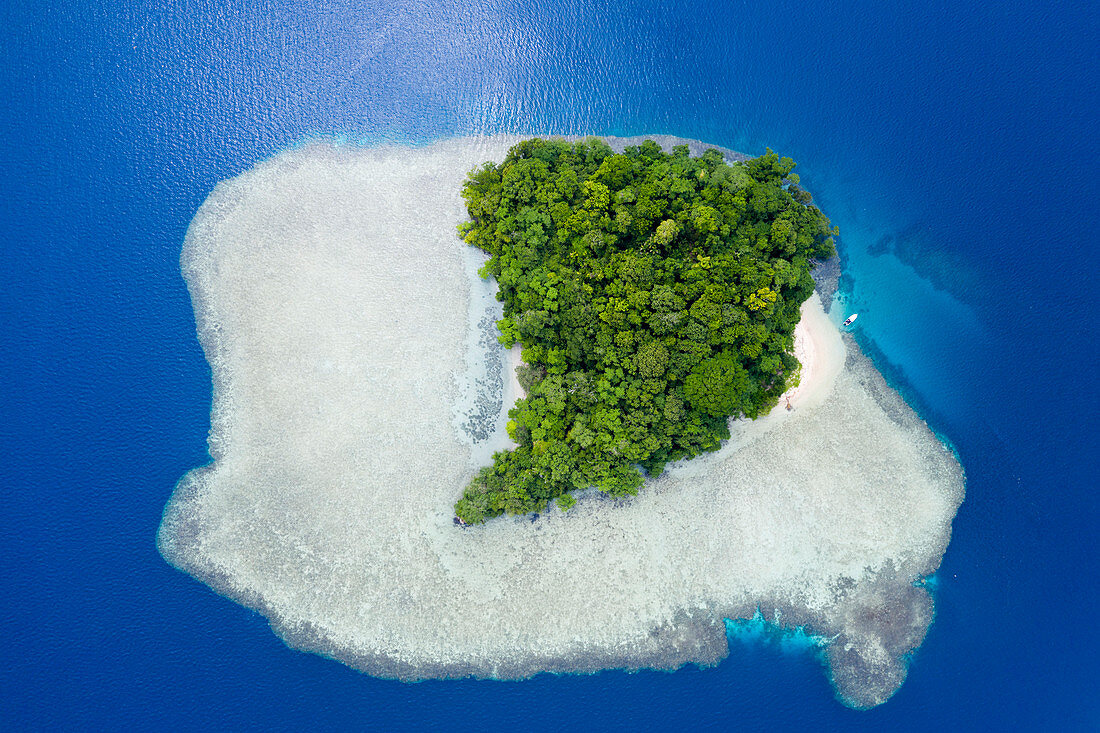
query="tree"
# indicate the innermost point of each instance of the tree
(651, 361)
(719, 386)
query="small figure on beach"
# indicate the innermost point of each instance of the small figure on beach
(789, 408)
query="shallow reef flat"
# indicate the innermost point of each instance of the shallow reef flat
(353, 390)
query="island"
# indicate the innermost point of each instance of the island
(359, 388)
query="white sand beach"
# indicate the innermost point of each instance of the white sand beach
(820, 349)
(513, 358)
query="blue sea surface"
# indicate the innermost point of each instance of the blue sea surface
(954, 144)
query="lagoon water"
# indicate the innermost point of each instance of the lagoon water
(952, 145)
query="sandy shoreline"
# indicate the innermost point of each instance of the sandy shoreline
(513, 358)
(820, 350)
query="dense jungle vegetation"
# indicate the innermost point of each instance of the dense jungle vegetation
(654, 294)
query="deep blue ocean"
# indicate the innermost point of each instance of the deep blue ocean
(955, 145)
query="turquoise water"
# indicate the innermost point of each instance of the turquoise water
(760, 631)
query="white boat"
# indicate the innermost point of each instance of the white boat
(850, 319)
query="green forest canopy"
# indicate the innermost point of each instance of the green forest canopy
(654, 294)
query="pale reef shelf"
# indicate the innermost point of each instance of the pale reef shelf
(357, 386)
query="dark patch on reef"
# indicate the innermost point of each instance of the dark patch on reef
(869, 660)
(480, 421)
(914, 246)
(826, 275)
(872, 628)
